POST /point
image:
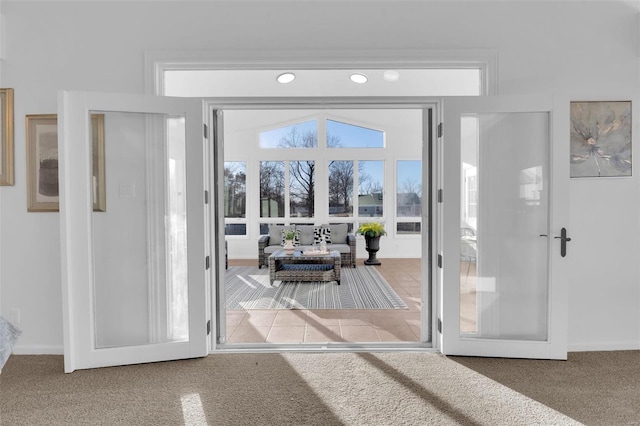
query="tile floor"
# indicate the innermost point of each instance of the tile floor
(335, 325)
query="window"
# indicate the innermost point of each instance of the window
(341, 188)
(272, 189)
(235, 197)
(324, 169)
(300, 135)
(343, 135)
(409, 196)
(370, 188)
(288, 188)
(302, 188)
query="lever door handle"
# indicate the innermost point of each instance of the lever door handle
(563, 241)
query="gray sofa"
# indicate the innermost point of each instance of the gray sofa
(336, 235)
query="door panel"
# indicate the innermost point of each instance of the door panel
(501, 271)
(133, 271)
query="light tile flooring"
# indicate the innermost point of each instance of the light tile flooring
(335, 325)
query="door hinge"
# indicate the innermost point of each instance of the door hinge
(206, 197)
(208, 327)
(206, 131)
(440, 130)
(439, 261)
(206, 262)
(440, 195)
(439, 326)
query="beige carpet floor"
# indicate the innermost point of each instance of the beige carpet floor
(266, 389)
(595, 388)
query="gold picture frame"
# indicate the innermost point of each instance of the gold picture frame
(6, 137)
(42, 163)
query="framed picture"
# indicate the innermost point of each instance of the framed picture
(6, 137)
(42, 163)
(600, 139)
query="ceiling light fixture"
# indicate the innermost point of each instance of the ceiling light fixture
(286, 77)
(359, 78)
(391, 75)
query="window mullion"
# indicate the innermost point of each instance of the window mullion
(287, 191)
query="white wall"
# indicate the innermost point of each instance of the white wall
(585, 49)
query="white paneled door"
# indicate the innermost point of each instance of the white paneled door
(132, 229)
(505, 204)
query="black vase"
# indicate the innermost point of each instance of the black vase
(373, 245)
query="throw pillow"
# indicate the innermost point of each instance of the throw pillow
(321, 234)
(275, 234)
(296, 238)
(306, 234)
(339, 233)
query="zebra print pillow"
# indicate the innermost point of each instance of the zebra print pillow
(321, 234)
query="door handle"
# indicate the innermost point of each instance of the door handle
(563, 241)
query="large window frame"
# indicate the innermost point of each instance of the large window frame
(322, 155)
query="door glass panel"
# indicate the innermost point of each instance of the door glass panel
(139, 240)
(503, 226)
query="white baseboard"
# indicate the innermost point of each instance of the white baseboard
(604, 346)
(38, 350)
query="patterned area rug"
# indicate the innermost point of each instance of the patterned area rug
(360, 288)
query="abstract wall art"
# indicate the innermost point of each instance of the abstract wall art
(600, 139)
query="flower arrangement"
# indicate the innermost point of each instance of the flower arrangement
(372, 229)
(289, 234)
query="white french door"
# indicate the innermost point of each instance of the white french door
(505, 181)
(133, 264)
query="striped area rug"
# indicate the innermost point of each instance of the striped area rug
(362, 287)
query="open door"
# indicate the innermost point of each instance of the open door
(216, 156)
(504, 210)
(132, 229)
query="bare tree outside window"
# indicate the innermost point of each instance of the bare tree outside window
(301, 180)
(302, 188)
(272, 189)
(235, 189)
(300, 135)
(341, 188)
(297, 139)
(301, 173)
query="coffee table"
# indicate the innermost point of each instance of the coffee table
(304, 267)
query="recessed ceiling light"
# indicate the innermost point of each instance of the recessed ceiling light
(391, 75)
(358, 78)
(286, 77)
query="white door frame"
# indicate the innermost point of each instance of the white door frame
(215, 245)
(157, 62)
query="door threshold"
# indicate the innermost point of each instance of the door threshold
(322, 347)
